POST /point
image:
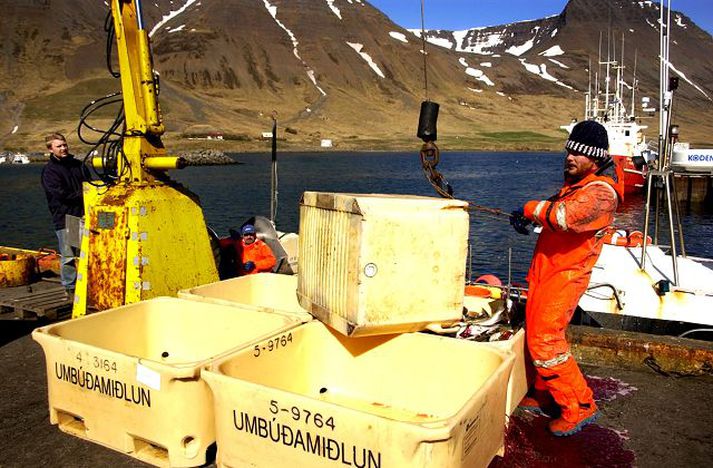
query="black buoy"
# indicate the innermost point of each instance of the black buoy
(427, 121)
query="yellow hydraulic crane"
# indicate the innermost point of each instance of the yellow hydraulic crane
(144, 235)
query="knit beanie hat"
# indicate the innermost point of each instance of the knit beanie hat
(590, 139)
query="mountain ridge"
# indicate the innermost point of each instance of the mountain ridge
(337, 69)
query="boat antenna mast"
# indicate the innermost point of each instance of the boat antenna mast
(662, 179)
(634, 85)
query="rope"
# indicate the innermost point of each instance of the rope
(430, 157)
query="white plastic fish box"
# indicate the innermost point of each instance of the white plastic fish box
(378, 264)
(520, 379)
(268, 292)
(522, 374)
(312, 397)
(129, 378)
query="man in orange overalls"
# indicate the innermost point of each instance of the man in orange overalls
(251, 254)
(257, 256)
(573, 222)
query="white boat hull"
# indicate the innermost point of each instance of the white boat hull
(618, 269)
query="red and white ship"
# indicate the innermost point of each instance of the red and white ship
(627, 142)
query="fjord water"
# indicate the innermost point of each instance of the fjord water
(231, 194)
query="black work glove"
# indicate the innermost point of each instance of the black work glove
(249, 266)
(519, 222)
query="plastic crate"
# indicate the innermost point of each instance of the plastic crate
(522, 373)
(409, 400)
(129, 378)
(379, 264)
(262, 291)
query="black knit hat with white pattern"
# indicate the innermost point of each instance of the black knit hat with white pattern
(590, 139)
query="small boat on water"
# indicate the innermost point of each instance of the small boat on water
(20, 158)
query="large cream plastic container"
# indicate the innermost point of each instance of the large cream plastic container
(129, 378)
(268, 292)
(311, 397)
(379, 264)
(522, 374)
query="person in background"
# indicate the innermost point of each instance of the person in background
(573, 222)
(251, 254)
(62, 179)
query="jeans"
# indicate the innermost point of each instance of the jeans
(68, 270)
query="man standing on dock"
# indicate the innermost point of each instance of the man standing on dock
(62, 179)
(573, 222)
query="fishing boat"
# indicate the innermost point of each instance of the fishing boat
(627, 142)
(638, 283)
(20, 158)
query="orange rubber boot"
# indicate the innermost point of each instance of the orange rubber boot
(539, 400)
(572, 422)
(569, 389)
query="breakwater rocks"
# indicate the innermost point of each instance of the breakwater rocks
(206, 158)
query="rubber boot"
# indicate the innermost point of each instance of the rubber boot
(571, 423)
(539, 400)
(569, 389)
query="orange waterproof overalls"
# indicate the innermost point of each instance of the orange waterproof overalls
(260, 254)
(566, 251)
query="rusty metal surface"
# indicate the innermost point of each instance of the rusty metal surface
(107, 254)
(630, 350)
(16, 269)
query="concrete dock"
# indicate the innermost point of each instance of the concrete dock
(648, 419)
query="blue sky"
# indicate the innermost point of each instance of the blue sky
(465, 14)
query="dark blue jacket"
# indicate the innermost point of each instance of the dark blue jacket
(62, 180)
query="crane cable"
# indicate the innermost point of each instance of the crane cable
(430, 155)
(423, 49)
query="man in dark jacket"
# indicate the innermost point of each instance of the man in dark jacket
(62, 179)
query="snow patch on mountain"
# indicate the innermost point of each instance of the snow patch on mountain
(172, 14)
(481, 43)
(670, 65)
(437, 41)
(541, 70)
(367, 58)
(399, 36)
(180, 28)
(553, 51)
(557, 62)
(477, 45)
(679, 21)
(272, 9)
(475, 73)
(334, 9)
(521, 49)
